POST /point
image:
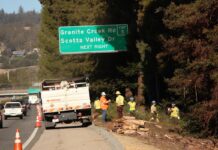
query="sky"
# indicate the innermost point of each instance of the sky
(11, 6)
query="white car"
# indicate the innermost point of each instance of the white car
(13, 109)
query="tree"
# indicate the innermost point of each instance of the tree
(20, 10)
(149, 28)
(191, 48)
(58, 13)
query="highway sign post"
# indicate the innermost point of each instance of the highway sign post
(93, 39)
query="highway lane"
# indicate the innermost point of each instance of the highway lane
(25, 125)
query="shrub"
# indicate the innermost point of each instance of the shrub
(205, 121)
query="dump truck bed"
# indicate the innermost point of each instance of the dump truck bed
(68, 97)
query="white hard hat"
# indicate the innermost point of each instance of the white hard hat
(103, 93)
(153, 102)
(131, 98)
(118, 92)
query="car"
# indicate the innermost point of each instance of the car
(24, 107)
(24, 104)
(13, 109)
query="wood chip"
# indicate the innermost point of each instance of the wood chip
(120, 131)
(167, 136)
(128, 117)
(129, 132)
(144, 134)
(158, 126)
(137, 122)
(144, 129)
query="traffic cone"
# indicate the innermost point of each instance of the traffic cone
(17, 142)
(39, 116)
(38, 123)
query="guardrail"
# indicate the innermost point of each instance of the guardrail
(13, 92)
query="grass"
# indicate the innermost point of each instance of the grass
(4, 100)
(143, 114)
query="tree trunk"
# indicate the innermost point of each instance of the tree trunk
(140, 99)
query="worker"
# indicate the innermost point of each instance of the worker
(174, 112)
(104, 102)
(119, 104)
(154, 113)
(132, 106)
(97, 108)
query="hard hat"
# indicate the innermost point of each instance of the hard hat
(103, 93)
(131, 98)
(118, 92)
(173, 104)
(153, 102)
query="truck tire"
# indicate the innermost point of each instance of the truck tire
(49, 125)
(1, 124)
(21, 117)
(86, 123)
(6, 117)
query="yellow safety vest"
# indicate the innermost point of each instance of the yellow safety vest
(132, 106)
(175, 112)
(153, 109)
(120, 100)
(97, 104)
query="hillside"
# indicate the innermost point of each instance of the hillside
(18, 38)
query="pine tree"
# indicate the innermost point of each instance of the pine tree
(190, 49)
(149, 28)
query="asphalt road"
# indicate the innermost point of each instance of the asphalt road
(68, 138)
(26, 127)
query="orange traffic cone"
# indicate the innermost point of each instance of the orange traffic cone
(38, 123)
(17, 142)
(39, 116)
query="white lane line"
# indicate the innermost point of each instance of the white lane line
(30, 138)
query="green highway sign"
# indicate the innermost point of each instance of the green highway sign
(93, 39)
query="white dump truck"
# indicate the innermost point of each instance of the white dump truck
(33, 98)
(65, 102)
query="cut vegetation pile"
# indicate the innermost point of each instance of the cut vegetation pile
(159, 136)
(130, 126)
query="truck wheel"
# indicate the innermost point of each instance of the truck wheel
(49, 125)
(86, 122)
(6, 117)
(21, 117)
(1, 124)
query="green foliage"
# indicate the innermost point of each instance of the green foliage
(4, 83)
(58, 13)
(24, 78)
(16, 62)
(149, 28)
(189, 49)
(139, 114)
(193, 125)
(171, 46)
(107, 72)
(203, 121)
